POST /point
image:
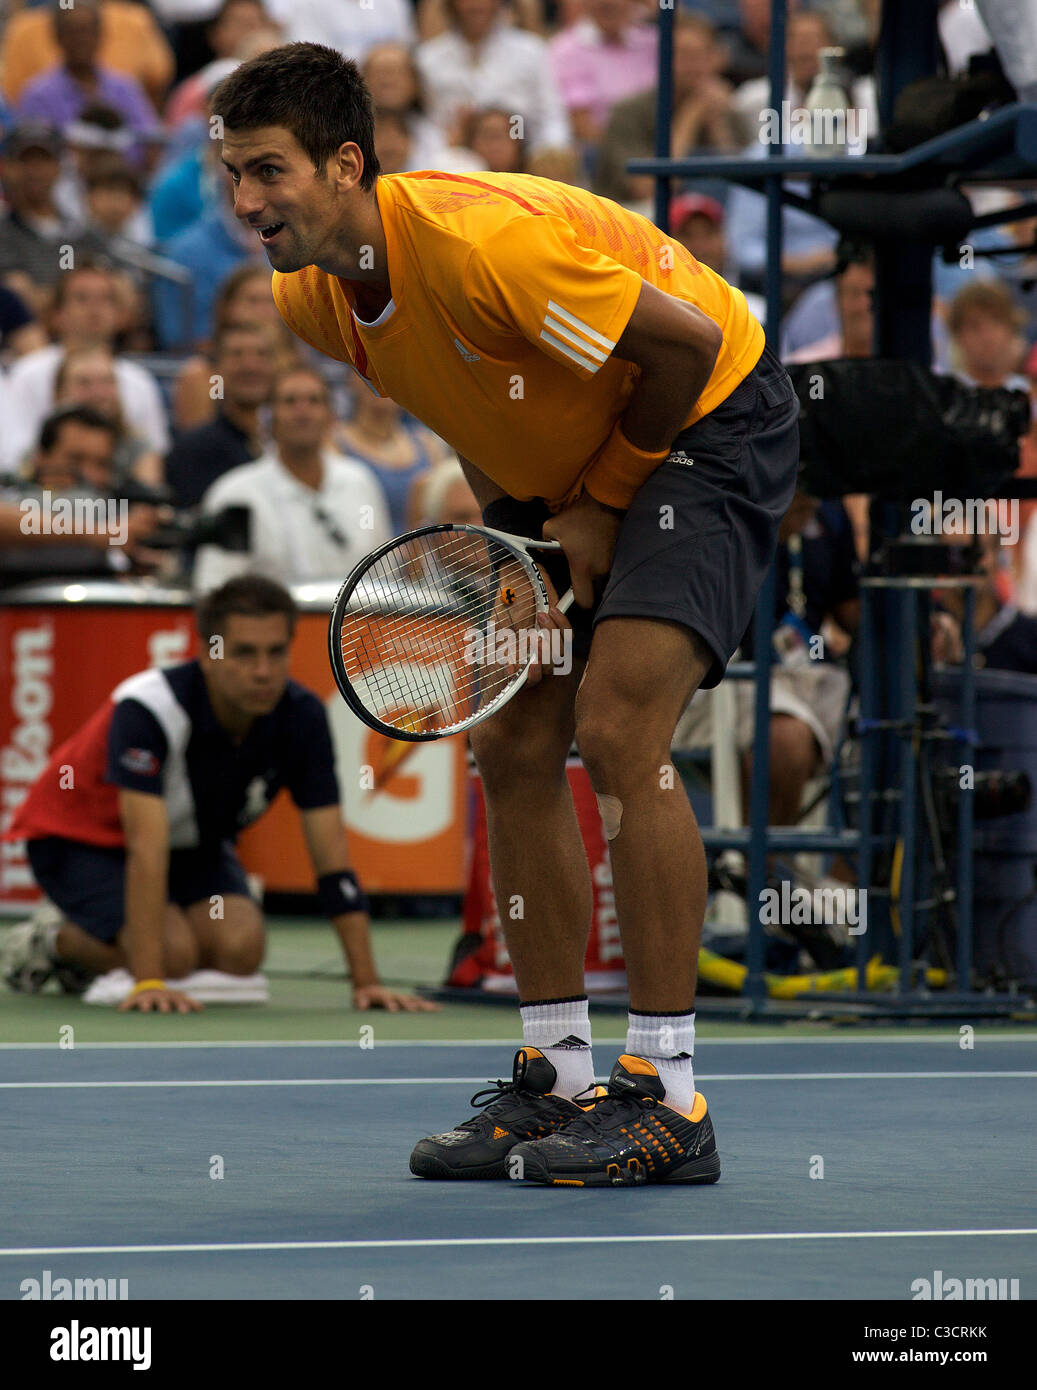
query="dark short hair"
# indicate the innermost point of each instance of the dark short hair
(85, 415)
(236, 326)
(85, 265)
(301, 369)
(60, 12)
(851, 251)
(310, 90)
(247, 596)
(110, 170)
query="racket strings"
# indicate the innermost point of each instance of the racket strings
(420, 634)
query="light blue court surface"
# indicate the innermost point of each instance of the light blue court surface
(107, 1151)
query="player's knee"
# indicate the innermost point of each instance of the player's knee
(179, 957)
(240, 953)
(606, 738)
(506, 753)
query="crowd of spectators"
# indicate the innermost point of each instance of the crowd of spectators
(138, 333)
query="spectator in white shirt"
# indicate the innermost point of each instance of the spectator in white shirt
(314, 512)
(86, 310)
(482, 61)
(394, 82)
(398, 153)
(351, 26)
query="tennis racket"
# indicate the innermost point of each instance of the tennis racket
(436, 631)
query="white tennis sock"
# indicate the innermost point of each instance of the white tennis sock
(662, 1039)
(561, 1030)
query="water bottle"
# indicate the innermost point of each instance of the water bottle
(826, 108)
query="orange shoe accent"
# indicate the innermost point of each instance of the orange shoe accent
(566, 1182)
(637, 1066)
(528, 1052)
(499, 1133)
(698, 1109)
(599, 1091)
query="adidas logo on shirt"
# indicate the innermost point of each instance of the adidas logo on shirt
(468, 356)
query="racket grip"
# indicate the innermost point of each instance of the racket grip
(565, 602)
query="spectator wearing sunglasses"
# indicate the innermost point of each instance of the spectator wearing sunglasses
(313, 512)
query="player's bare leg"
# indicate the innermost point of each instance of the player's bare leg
(651, 1124)
(179, 953)
(640, 676)
(233, 941)
(541, 879)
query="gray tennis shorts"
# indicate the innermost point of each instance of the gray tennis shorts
(700, 534)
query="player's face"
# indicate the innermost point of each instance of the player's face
(250, 676)
(277, 192)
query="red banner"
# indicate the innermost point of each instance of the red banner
(482, 958)
(403, 804)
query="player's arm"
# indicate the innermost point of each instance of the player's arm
(675, 345)
(346, 905)
(136, 754)
(145, 824)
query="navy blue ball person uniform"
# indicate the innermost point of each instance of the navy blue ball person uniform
(132, 825)
(159, 736)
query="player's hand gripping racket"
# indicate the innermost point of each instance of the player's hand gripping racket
(437, 630)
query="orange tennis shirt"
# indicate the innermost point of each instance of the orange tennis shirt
(509, 294)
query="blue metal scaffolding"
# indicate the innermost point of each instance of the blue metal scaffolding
(998, 148)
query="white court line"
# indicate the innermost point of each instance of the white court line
(449, 1241)
(502, 1042)
(481, 1081)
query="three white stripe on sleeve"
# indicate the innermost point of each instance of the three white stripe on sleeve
(567, 333)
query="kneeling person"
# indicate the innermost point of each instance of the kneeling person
(136, 846)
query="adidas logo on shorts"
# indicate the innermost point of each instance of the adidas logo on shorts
(679, 456)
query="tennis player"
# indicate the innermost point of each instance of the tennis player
(604, 390)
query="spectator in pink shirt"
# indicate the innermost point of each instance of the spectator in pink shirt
(600, 60)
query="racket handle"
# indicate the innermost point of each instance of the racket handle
(565, 602)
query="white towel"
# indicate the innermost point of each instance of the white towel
(207, 986)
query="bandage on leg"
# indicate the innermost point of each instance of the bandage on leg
(610, 808)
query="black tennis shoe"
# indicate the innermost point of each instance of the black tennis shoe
(624, 1137)
(522, 1108)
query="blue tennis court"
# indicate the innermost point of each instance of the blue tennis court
(922, 1155)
